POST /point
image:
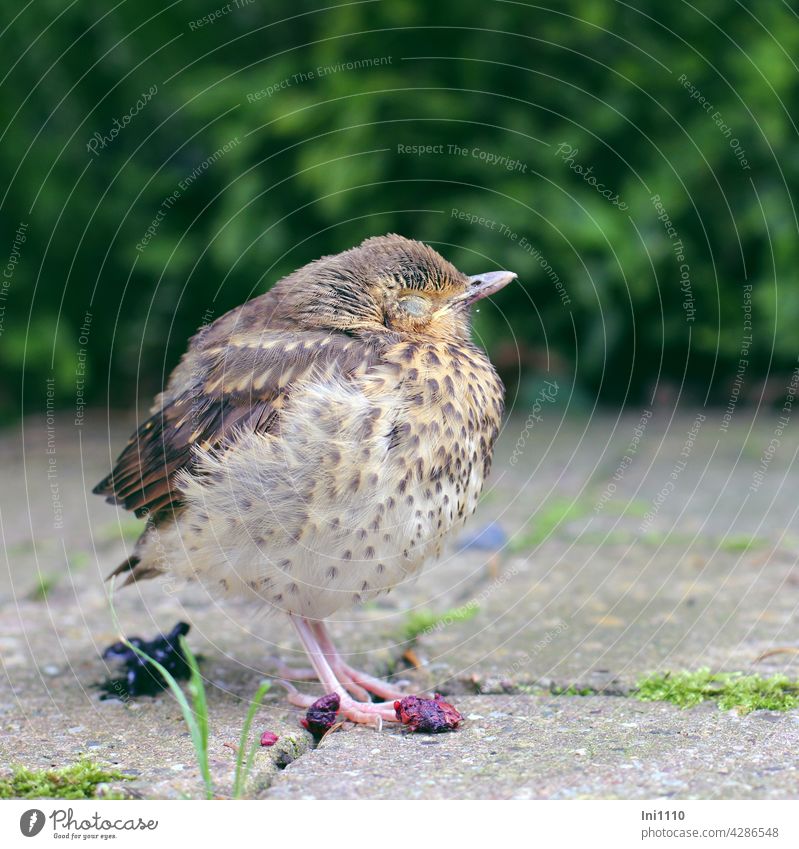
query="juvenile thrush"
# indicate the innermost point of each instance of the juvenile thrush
(316, 445)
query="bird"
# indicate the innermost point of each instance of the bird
(317, 445)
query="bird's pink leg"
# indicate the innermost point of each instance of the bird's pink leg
(345, 672)
(367, 713)
(295, 696)
(293, 673)
(332, 657)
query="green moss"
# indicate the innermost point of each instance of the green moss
(423, 621)
(558, 511)
(741, 543)
(78, 781)
(636, 508)
(44, 587)
(656, 538)
(547, 519)
(731, 690)
(571, 690)
(78, 560)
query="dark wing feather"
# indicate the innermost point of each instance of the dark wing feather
(216, 391)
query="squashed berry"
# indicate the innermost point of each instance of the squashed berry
(432, 716)
(269, 738)
(141, 678)
(321, 715)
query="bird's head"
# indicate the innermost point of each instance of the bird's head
(387, 283)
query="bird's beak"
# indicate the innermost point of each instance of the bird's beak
(483, 285)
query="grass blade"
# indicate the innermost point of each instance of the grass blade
(196, 720)
(200, 714)
(243, 768)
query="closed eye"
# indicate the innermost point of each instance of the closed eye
(414, 305)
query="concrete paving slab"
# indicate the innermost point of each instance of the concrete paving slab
(559, 748)
(587, 592)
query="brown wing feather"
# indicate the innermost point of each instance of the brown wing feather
(216, 391)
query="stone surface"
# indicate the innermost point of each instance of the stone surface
(586, 592)
(517, 747)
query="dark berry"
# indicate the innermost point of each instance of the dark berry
(432, 716)
(321, 715)
(269, 738)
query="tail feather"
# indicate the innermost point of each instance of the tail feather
(127, 565)
(132, 569)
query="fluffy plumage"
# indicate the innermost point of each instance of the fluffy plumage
(316, 445)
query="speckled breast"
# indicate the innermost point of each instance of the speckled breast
(452, 401)
(434, 441)
(354, 492)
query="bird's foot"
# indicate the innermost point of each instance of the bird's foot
(363, 713)
(360, 684)
(338, 677)
(364, 682)
(368, 713)
(349, 678)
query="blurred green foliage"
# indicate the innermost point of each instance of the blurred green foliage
(313, 167)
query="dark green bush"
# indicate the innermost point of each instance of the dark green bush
(314, 166)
